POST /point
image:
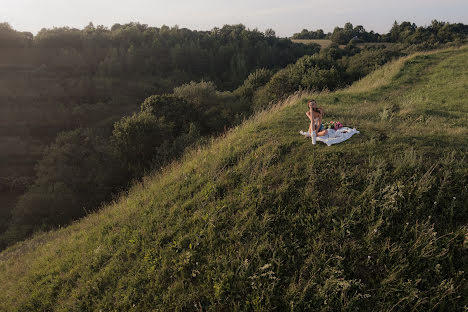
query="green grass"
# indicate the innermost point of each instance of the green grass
(262, 220)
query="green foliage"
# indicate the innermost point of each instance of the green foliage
(200, 95)
(136, 49)
(165, 126)
(280, 85)
(173, 109)
(77, 172)
(368, 60)
(139, 140)
(254, 81)
(215, 110)
(306, 34)
(350, 34)
(314, 72)
(318, 73)
(436, 33)
(10, 38)
(330, 69)
(408, 33)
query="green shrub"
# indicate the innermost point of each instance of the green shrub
(253, 82)
(174, 109)
(215, 110)
(316, 72)
(139, 141)
(371, 58)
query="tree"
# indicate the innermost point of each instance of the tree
(253, 82)
(270, 33)
(139, 139)
(339, 36)
(207, 101)
(174, 109)
(10, 38)
(77, 172)
(348, 27)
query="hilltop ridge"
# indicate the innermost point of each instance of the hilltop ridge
(263, 220)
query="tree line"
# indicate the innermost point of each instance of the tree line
(404, 32)
(223, 55)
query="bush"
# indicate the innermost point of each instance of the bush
(253, 82)
(359, 65)
(214, 109)
(284, 82)
(138, 140)
(173, 109)
(316, 72)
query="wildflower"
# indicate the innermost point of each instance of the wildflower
(368, 257)
(454, 197)
(375, 230)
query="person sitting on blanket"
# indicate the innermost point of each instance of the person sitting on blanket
(315, 115)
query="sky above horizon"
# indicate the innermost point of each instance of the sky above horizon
(284, 17)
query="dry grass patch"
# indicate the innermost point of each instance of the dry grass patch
(324, 43)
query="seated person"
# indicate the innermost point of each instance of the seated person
(315, 115)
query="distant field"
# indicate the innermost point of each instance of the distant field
(324, 43)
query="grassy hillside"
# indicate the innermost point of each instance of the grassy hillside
(262, 220)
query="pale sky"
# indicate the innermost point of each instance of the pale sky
(285, 17)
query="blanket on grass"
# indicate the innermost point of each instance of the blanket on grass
(334, 136)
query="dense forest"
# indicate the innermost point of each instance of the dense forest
(92, 110)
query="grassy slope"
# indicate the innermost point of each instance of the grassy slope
(262, 219)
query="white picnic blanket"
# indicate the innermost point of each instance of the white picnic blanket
(334, 137)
